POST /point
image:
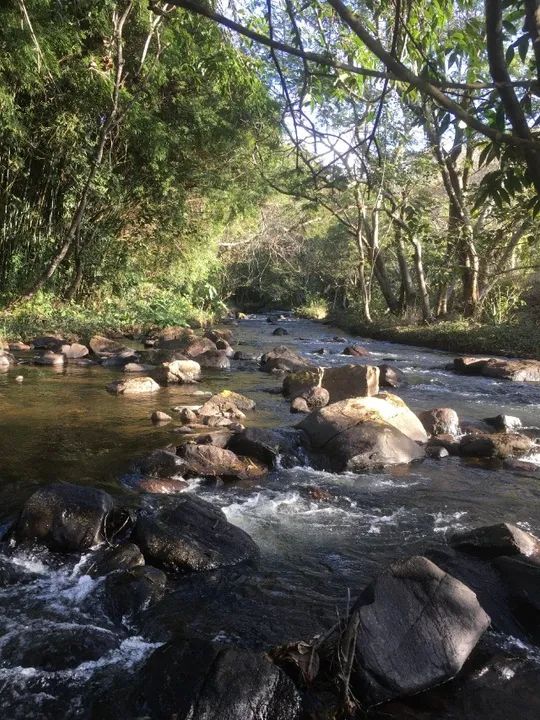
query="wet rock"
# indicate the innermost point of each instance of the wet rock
(417, 626)
(14, 573)
(499, 445)
(161, 463)
(339, 339)
(192, 536)
(224, 346)
(134, 367)
(283, 358)
(436, 452)
(222, 335)
(173, 333)
(217, 359)
(491, 541)
(299, 405)
(516, 370)
(246, 357)
(6, 359)
(129, 592)
(120, 359)
(448, 442)
(55, 648)
(210, 461)
(187, 415)
(65, 517)
(475, 427)
(390, 376)
(220, 438)
(199, 680)
(280, 331)
(258, 443)
(158, 416)
(317, 397)
(189, 344)
(365, 433)
(321, 351)
(105, 347)
(296, 384)
(521, 466)
(19, 378)
(469, 365)
(121, 557)
(355, 351)
(48, 357)
(75, 351)
(162, 486)
(504, 423)
(521, 577)
(440, 421)
(133, 386)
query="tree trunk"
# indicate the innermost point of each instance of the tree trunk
(427, 315)
(409, 294)
(364, 287)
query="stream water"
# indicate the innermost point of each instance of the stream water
(314, 554)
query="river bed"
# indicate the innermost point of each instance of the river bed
(315, 555)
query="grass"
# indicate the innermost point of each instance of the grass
(110, 316)
(314, 310)
(516, 338)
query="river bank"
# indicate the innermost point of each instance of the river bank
(516, 339)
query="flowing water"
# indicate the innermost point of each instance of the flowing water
(315, 555)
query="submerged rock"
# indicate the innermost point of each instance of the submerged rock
(192, 536)
(65, 517)
(365, 433)
(122, 557)
(133, 386)
(158, 416)
(417, 626)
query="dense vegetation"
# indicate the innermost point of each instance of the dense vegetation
(143, 173)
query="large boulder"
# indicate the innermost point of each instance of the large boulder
(341, 383)
(283, 358)
(440, 421)
(417, 625)
(516, 370)
(496, 445)
(107, 560)
(188, 343)
(365, 433)
(177, 371)
(226, 404)
(491, 541)
(65, 517)
(210, 461)
(192, 536)
(105, 347)
(133, 386)
(198, 680)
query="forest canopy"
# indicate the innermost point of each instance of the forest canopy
(379, 158)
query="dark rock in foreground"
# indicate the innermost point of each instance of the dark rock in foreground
(199, 680)
(417, 627)
(192, 536)
(491, 541)
(129, 592)
(65, 517)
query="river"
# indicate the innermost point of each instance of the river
(315, 555)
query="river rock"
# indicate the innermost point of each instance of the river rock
(48, 357)
(227, 404)
(210, 461)
(198, 680)
(122, 557)
(224, 346)
(497, 445)
(491, 541)
(262, 444)
(75, 351)
(19, 347)
(440, 421)
(219, 335)
(516, 370)
(521, 577)
(351, 381)
(172, 333)
(192, 536)
(119, 360)
(189, 344)
(161, 463)
(58, 648)
(6, 359)
(65, 517)
(177, 371)
(129, 592)
(162, 486)
(299, 405)
(280, 331)
(105, 347)
(447, 442)
(48, 342)
(365, 433)
(135, 367)
(133, 386)
(217, 359)
(158, 416)
(469, 365)
(390, 376)
(355, 351)
(504, 423)
(283, 358)
(417, 627)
